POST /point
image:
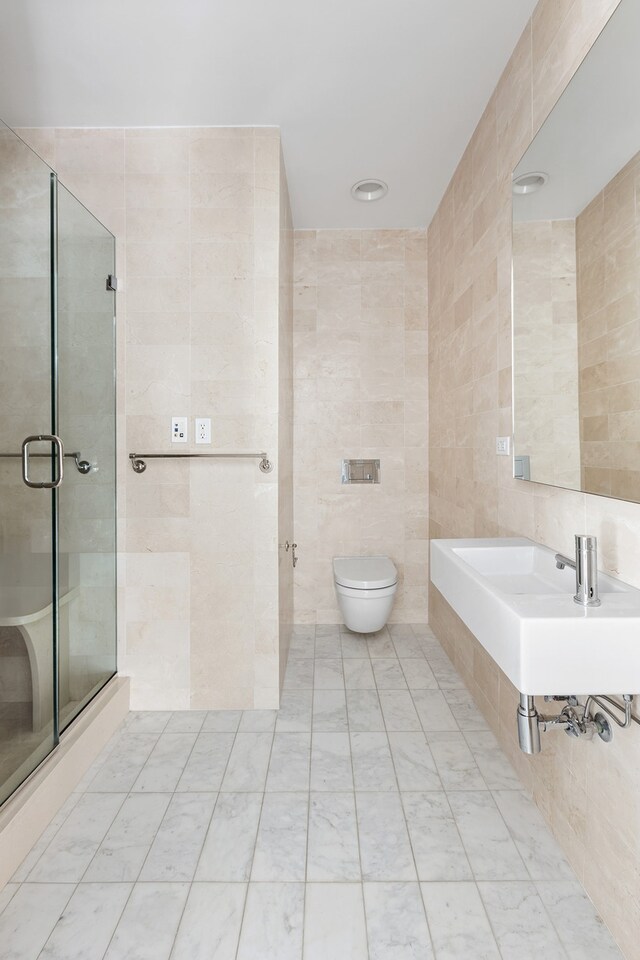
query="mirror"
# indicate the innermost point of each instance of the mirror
(576, 278)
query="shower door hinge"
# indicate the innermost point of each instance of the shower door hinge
(112, 282)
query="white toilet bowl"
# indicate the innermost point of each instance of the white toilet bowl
(365, 588)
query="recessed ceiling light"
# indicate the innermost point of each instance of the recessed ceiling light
(529, 182)
(367, 190)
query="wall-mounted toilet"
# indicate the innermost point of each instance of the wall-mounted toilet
(366, 588)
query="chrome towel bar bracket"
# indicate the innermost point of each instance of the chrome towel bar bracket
(139, 465)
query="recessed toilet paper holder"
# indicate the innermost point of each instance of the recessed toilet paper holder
(361, 471)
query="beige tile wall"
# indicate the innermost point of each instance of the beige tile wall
(589, 792)
(197, 217)
(608, 254)
(285, 422)
(360, 367)
(545, 350)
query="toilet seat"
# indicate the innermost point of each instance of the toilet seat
(364, 573)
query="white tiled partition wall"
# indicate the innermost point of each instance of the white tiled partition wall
(374, 817)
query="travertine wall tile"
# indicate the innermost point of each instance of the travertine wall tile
(360, 368)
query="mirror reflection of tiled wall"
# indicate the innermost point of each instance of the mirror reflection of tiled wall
(608, 286)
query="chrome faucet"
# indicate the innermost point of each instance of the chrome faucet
(586, 568)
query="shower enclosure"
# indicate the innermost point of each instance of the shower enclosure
(57, 459)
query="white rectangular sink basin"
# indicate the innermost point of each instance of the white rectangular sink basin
(513, 598)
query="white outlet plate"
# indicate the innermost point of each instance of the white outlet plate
(503, 446)
(203, 429)
(179, 429)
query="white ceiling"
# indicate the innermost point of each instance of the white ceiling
(360, 88)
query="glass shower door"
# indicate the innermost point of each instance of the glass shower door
(57, 460)
(27, 608)
(85, 418)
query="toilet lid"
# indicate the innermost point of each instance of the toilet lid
(364, 573)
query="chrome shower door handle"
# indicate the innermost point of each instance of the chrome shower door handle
(45, 438)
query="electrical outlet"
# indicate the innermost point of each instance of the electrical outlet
(203, 430)
(503, 446)
(179, 429)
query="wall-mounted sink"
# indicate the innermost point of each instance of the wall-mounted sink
(512, 597)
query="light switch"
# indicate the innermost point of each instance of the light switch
(178, 429)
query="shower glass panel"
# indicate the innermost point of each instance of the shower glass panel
(26, 585)
(86, 422)
(57, 539)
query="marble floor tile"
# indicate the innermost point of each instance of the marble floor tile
(289, 764)
(210, 925)
(372, 764)
(353, 645)
(331, 762)
(177, 845)
(333, 852)
(579, 927)
(74, 845)
(248, 763)
(166, 762)
(186, 721)
(299, 675)
(418, 674)
(149, 721)
(520, 922)
(204, 770)
(273, 922)
(328, 646)
(437, 847)
(227, 853)
(221, 721)
(7, 893)
(345, 936)
(148, 925)
(365, 713)
(537, 847)
(122, 852)
(222, 835)
(396, 923)
(258, 721)
(44, 840)
(389, 675)
(433, 711)
(302, 647)
(464, 709)
(87, 923)
(385, 850)
(455, 763)
(445, 673)
(491, 851)
(380, 646)
(295, 711)
(413, 762)
(407, 646)
(496, 770)
(328, 674)
(398, 711)
(358, 674)
(330, 711)
(30, 916)
(125, 762)
(281, 846)
(458, 922)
